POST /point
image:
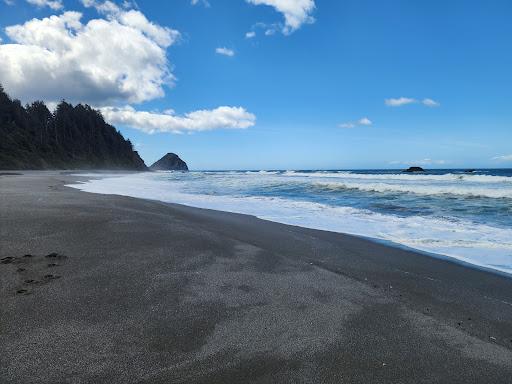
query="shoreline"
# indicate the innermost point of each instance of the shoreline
(159, 292)
(458, 259)
(386, 243)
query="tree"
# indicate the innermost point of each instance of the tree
(71, 137)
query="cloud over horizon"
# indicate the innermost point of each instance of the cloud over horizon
(202, 120)
(503, 158)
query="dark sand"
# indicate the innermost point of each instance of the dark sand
(144, 292)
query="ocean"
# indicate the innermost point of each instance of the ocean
(450, 213)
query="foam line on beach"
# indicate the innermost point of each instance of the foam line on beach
(478, 244)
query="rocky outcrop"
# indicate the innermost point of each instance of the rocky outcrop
(414, 169)
(170, 162)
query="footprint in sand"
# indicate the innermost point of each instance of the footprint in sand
(51, 277)
(56, 256)
(31, 270)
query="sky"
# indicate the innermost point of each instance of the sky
(277, 84)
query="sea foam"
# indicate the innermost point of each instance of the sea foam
(483, 245)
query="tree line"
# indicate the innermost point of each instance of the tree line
(71, 137)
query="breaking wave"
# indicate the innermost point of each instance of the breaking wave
(446, 230)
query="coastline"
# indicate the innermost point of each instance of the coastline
(389, 243)
(157, 292)
(452, 234)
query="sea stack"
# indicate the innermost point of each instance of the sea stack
(170, 162)
(414, 169)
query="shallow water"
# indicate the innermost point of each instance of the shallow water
(467, 216)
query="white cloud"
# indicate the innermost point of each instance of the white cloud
(113, 60)
(206, 3)
(53, 4)
(267, 29)
(295, 12)
(426, 161)
(407, 100)
(400, 101)
(105, 7)
(430, 103)
(365, 121)
(163, 36)
(225, 51)
(352, 124)
(120, 58)
(503, 158)
(202, 120)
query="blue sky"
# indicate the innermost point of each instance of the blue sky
(310, 94)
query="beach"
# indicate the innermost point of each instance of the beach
(104, 288)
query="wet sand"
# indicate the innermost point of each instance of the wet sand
(97, 288)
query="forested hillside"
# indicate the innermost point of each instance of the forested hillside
(72, 137)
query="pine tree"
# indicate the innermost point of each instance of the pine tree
(72, 137)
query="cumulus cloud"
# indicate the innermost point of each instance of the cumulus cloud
(407, 100)
(53, 4)
(119, 58)
(201, 120)
(295, 12)
(104, 7)
(225, 51)
(250, 35)
(116, 59)
(503, 158)
(352, 124)
(163, 36)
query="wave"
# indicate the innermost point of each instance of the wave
(483, 245)
(453, 177)
(421, 189)
(262, 172)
